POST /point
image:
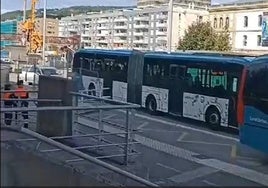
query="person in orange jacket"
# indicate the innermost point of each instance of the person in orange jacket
(8, 104)
(22, 93)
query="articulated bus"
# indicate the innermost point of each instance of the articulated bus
(253, 105)
(200, 87)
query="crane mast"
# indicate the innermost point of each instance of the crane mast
(33, 37)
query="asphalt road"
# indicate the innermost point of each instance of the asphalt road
(175, 152)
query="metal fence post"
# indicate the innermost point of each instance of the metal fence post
(74, 113)
(100, 126)
(127, 137)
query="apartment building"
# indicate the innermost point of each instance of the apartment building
(140, 28)
(244, 20)
(146, 3)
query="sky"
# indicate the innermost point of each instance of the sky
(7, 6)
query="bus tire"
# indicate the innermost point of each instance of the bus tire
(151, 104)
(213, 118)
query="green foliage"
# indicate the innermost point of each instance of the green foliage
(59, 13)
(201, 36)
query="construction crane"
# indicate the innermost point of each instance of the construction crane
(33, 37)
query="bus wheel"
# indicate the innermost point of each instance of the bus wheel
(213, 118)
(151, 104)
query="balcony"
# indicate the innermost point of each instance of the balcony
(120, 26)
(102, 41)
(141, 18)
(103, 27)
(120, 20)
(120, 34)
(141, 26)
(141, 33)
(102, 20)
(161, 25)
(141, 41)
(161, 33)
(163, 16)
(119, 40)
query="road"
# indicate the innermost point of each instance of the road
(178, 153)
(22, 168)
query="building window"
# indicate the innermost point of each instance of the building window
(245, 40)
(245, 21)
(221, 22)
(259, 40)
(215, 23)
(260, 20)
(227, 22)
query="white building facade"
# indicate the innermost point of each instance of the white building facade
(249, 30)
(142, 29)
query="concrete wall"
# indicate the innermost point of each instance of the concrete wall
(54, 123)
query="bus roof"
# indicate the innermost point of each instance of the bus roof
(200, 57)
(109, 52)
(260, 59)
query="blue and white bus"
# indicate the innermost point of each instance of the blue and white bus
(253, 105)
(200, 87)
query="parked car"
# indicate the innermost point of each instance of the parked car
(31, 75)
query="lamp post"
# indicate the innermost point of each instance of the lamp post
(170, 20)
(44, 31)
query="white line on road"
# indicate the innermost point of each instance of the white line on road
(210, 183)
(184, 127)
(168, 167)
(242, 172)
(142, 125)
(183, 135)
(206, 143)
(193, 174)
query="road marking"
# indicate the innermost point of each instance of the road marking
(142, 125)
(168, 167)
(233, 169)
(210, 183)
(160, 130)
(183, 126)
(183, 135)
(205, 143)
(233, 151)
(193, 174)
(110, 116)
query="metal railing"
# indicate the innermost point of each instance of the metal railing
(86, 144)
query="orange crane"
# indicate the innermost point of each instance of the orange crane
(33, 37)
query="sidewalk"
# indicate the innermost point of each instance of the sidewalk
(18, 167)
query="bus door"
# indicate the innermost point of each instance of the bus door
(176, 77)
(232, 88)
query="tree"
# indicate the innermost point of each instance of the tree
(201, 36)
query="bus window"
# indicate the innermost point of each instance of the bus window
(173, 71)
(235, 82)
(256, 92)
(219, 79)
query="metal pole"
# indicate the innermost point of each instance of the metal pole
(88, 158)
(44, 30)
(127, 137)
(170, 20)
(24, 10)
(100, 126)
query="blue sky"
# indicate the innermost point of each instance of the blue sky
(6, 5)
